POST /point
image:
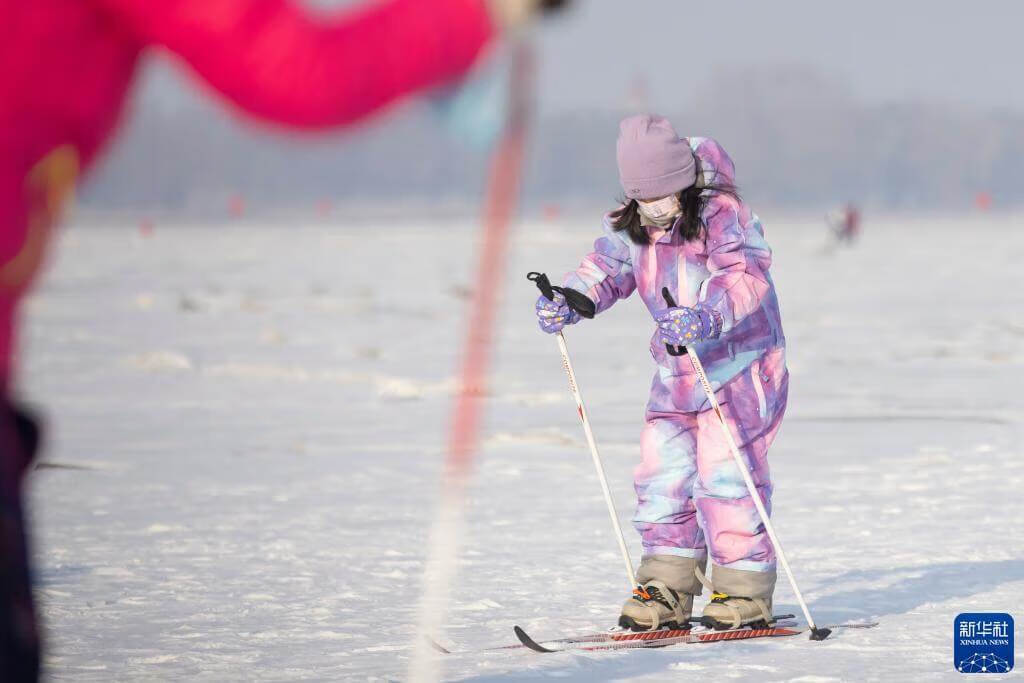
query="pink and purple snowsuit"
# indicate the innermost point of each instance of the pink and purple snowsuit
(691, 498)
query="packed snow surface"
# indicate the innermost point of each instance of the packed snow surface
(246, 424)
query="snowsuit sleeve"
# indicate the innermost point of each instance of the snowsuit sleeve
(738, 258)
(606, 274)
(282, 64)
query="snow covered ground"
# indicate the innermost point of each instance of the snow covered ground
(246, 425)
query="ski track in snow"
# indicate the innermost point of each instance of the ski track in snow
(246, 425)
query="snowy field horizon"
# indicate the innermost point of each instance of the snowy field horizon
(246, 424)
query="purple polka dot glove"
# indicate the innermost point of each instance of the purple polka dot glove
(556, 314)
(682, 325)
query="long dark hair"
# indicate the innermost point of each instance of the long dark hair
(692, 200)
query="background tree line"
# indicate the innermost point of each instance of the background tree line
(799, 138)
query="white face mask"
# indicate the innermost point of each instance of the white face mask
(660, 211)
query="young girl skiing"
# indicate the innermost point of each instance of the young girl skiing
(684, 227)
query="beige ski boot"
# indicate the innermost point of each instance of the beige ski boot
(738, 598)
(664, 597)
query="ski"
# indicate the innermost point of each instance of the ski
(614, 640)
(613, 633)
(619, 638)
(650, 639)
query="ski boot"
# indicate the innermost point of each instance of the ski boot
(739, 598)
(664, 598)
(654, 605)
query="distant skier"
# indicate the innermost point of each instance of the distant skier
(683, 226)
(67, 68)
(844, 223)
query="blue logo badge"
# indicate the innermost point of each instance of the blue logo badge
(983, 643)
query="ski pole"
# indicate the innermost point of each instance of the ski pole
(584, 306)
(698, 367)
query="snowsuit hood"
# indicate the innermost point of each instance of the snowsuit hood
(714, 163)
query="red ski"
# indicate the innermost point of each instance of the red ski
(615, 639)
(645, 639)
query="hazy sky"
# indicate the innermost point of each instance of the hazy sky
(965, 52)
(960, 52)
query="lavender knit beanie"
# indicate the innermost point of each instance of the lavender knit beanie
(653, 160)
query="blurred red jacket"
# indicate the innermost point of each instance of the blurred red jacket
(66, 65)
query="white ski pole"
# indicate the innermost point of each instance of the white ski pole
(567, 364)
(585, 307)
(816, 633)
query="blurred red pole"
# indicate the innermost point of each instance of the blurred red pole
(499, 206)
